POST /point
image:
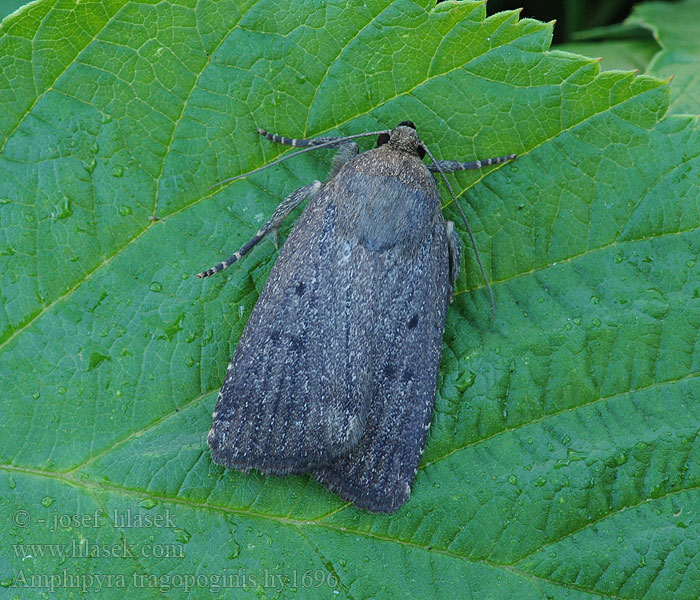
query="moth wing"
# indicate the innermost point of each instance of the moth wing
(378, 473)
(297, 389)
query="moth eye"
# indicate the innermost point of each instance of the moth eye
(407, 124)
(420, 150)
(382, 139)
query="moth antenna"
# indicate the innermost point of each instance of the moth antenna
(469, 231)
(333, 142)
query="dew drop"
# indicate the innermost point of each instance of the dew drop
(235, 550)
(182, 535)
(90, 165)
(63, 210)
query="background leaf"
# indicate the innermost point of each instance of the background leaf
(675, 28)
(626, 54)
(674, 50)
(562, 457)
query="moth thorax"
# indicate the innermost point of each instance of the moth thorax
(405, 138)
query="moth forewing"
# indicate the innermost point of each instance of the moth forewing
(336, 371)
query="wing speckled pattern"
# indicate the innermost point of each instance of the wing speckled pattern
(305, 372)
(336, 370)
(378, 473)
(296, 391)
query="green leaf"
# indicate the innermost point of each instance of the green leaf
(617, 54)
(674, 53)
(675, 28)
(562, 458)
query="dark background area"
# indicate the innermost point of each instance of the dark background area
(571, 15)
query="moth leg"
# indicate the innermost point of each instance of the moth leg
(297, 143)
(454, 246)
(283, 210)
(448, 166)
(346, 150)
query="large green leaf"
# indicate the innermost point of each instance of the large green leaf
(562, 460)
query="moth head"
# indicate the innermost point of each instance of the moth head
(405, 138)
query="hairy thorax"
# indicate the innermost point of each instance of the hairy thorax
(389, 198)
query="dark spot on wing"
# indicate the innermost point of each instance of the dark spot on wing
(296, 344)
(389, 371)
(413, 322)
(300, 288)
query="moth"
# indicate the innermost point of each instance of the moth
(336, 371)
